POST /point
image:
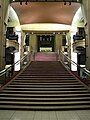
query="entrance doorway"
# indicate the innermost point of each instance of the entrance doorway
(45, 43)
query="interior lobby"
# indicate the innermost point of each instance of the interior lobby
(42, 33)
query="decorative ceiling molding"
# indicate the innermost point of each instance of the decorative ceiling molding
(40, 12)
(79, 1)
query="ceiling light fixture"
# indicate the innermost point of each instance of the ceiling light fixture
(26, 2)
(69, 3)
(64, 3)
(20, 3)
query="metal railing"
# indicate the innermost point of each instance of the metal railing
(81, 71)
(7, 73)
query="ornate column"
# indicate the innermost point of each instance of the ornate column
(58, 42)
(3, 10)
(86, 13)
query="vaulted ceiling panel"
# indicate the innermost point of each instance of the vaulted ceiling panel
(45, 12)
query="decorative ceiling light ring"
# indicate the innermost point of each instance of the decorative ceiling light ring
(21, 2)
(65, 3)
(69, 3)
(26, 2)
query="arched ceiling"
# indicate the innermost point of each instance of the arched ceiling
(45, 12)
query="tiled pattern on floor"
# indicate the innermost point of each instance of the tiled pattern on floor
(45, 115)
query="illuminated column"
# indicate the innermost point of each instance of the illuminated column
(58, 42)
(3, 10)
(88, 38)
(17, 54)
(22, 44)
(86, 13)
(33, 42)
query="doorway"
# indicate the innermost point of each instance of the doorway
(45, 43)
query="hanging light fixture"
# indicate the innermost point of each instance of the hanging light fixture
(26, 2)
(69, 3)
(64, 3)
(20, 3)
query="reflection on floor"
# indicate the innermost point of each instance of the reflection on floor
(45, 115)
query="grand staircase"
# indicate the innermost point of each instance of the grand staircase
(45, 85)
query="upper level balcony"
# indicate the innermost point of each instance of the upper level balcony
(12, 43)
(78, 44)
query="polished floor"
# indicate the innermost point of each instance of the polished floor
(44, 115)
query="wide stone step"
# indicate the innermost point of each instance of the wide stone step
(45, 89)
(60, 78)
(28, 103)
(46, 81)
(36, 83)
(44, 99)
(56, 107)
(44, 86)
(44, 72)
(44, 76)
(45, 92)
(49, 95)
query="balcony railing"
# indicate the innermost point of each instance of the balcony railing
(12, 43)
(78, 37)
(78, 44)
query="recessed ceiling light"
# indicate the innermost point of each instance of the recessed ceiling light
(20, 3)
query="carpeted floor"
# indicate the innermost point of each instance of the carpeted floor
(46, 56)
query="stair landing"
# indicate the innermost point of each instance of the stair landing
(46, 56)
